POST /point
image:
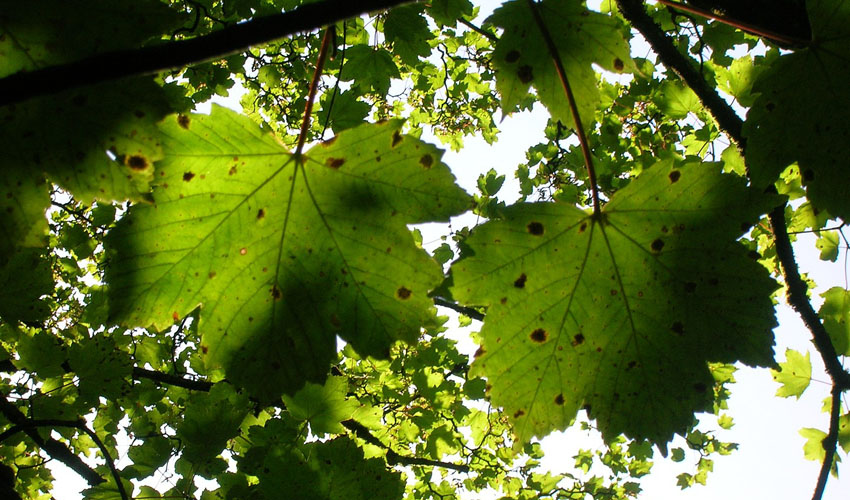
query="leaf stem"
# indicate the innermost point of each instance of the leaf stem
(582, 137)
(314, 85)
(750, 28)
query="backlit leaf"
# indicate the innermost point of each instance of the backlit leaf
(794, 374)
(835, 314)
(582, 37)
(619, 313)
(283, 254)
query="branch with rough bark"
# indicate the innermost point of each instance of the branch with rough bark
(797, 290)
(53, 448)
(111, 66)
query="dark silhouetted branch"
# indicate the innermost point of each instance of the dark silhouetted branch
(112, 66)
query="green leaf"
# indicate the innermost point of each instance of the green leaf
(447, 12)
(835, 314)
(794, 374)
(24, 198)
(324, 406)
(813, 448)
(283, 254)
(370, 68)
(346, 111)
(408, 31)
(20, 299)
(210, 420)
(844, 432)
(619, 313)
(828, 245)
(582, 37)
(676, 100)
(101, 366)
(799, 113)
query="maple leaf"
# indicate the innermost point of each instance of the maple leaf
(283, 253)
(619, 313)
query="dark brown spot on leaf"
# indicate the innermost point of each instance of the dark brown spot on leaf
(183, 121)
(403, 293)
(480, 352)
(188, 176)
(520, 282)
(582, 227)
(678, 327)
(578, 340)
(503, 300)
(276, 292)
(674, 175)
(519, 413)
(261, 213)
(618, 64)
(334, 162)
(613, 292)
(136, 162)
(211, 274)
(525, 74)
(232, 170)
(396, 138)
(426, 161)
(539, 335)
(657, 245)
(559, 400)
(535, 228)
(205, 349)
(512, 56)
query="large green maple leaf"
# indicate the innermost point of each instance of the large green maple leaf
(282, 253)
(583, 38)
(619, 313)
(801, 112)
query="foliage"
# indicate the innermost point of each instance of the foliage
(203, 296)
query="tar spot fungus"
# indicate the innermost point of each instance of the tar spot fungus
(539, 335)
(519, 413)
(535, 228)
(188, 176)
(525, 74)
(678, 327)
(618, 64)
(261, 213)
(578, 340)
(559, 400)
(243, 251)
(205, 349)
(503, 300)
(276, 292)
(211, 274)
(674, 175)
(426, 161)
(136, 162)
(480, 352)
(512, 56)
(232, 170)
(183, 121)
(334, 162)
(582, 227)
(657, 245)
(396, 138)
(403, 293)
(520, 282)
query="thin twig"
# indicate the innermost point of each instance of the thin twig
(582, 138)
(829, 443)
(314, 85)
(394, 458)
(466, 311)
(750, 28)
(481, 31)
(111, 66)
(175, 380)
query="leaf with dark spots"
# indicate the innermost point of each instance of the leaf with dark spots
(188, 176)
(334, 162)
(559, 400)
(184, 121)
(520, 282)
(608, 301)
(275, 293)
(583, 39)
(426, 161)
(674, 175)
(136, 162)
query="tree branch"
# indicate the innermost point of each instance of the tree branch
(394, 458)
(55, 449)
(466, 311)
(112, 66)
(829, 443)
(175, 380)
